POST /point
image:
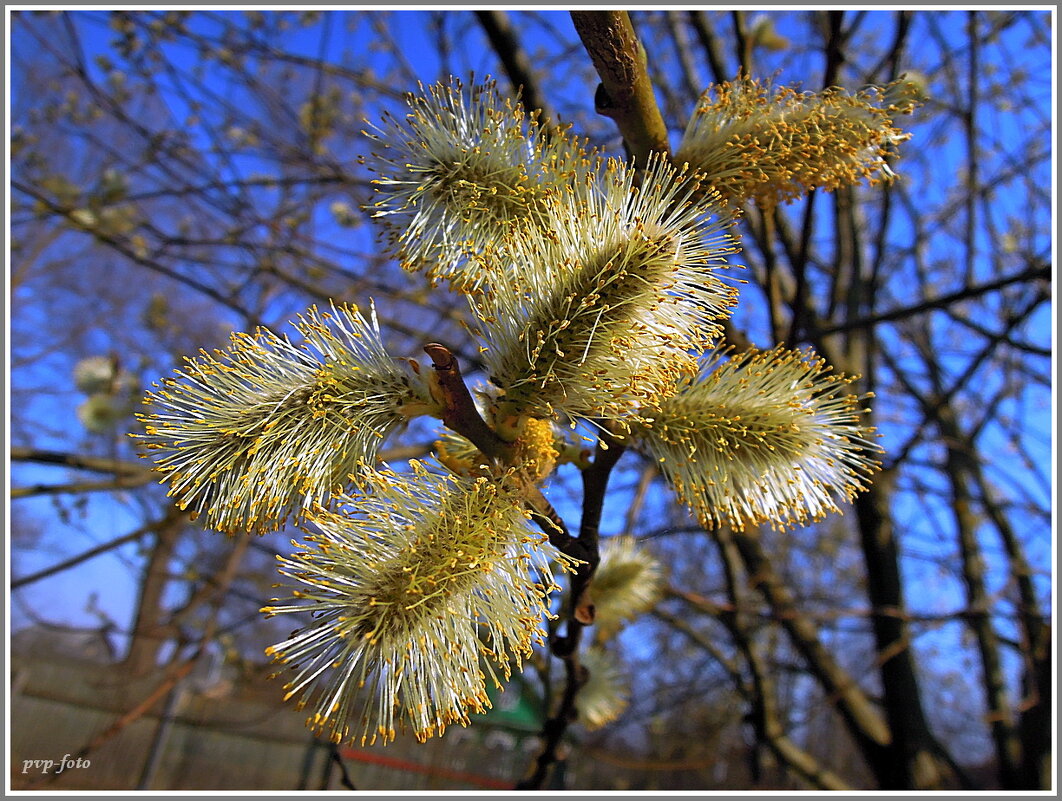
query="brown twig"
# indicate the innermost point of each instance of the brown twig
(580, 611)
(1036, 272)
(459, 410)
(649, 474)
(702, 26)
(595, 485)
(554, 728)
(96, 464)
(81, 487)
(461, 415)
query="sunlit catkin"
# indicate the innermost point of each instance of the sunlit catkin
(765, 436)
(627, 583)
(417, 593)
(255, 434)
(596, 287)
(772, 145)
(465, 170)
(605, 306)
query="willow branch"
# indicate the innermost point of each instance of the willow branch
(214, 586)
(459, 409)
(861, 717)
(461, 415)
(702, 26)
(129, 475)
(120, 245)
(580, 610)
(649, 473)
(595, 486)
(771, 730)
(553, 730)
(80, 487)
(1040, 272)
(742, 42)
(626, 92)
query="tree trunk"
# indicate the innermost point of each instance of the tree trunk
(912, 759)
(149, 632)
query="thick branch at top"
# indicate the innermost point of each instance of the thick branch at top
(626, 92)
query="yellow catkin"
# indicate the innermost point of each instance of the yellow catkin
(774, 144)
(535, 449)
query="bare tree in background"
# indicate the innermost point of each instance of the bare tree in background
(178, 175)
